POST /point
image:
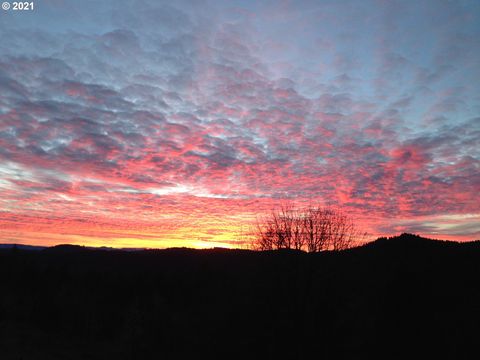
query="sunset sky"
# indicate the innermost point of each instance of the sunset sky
(150, 124)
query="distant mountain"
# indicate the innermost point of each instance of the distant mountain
(66, 248)
(415, 241)
(22, 247)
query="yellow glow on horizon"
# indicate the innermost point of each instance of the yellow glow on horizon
(188, 240)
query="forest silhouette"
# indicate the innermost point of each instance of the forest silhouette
(395, 297)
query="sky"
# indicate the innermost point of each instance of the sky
(179, 123)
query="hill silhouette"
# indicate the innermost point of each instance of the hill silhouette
(395, 297)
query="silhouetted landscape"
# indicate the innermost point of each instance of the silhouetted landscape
(395, 298)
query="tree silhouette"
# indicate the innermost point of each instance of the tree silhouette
(312, 229)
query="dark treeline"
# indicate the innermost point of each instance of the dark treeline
(396, 298)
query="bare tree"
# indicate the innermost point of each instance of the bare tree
(343, 232)
(312, 229)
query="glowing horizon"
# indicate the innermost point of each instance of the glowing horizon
(151, 124)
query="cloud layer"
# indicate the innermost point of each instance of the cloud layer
(163, 124)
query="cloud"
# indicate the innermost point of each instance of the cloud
(198, 111)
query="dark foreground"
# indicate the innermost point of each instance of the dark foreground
(400, 298)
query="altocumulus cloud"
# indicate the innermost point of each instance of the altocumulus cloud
(190, 117)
